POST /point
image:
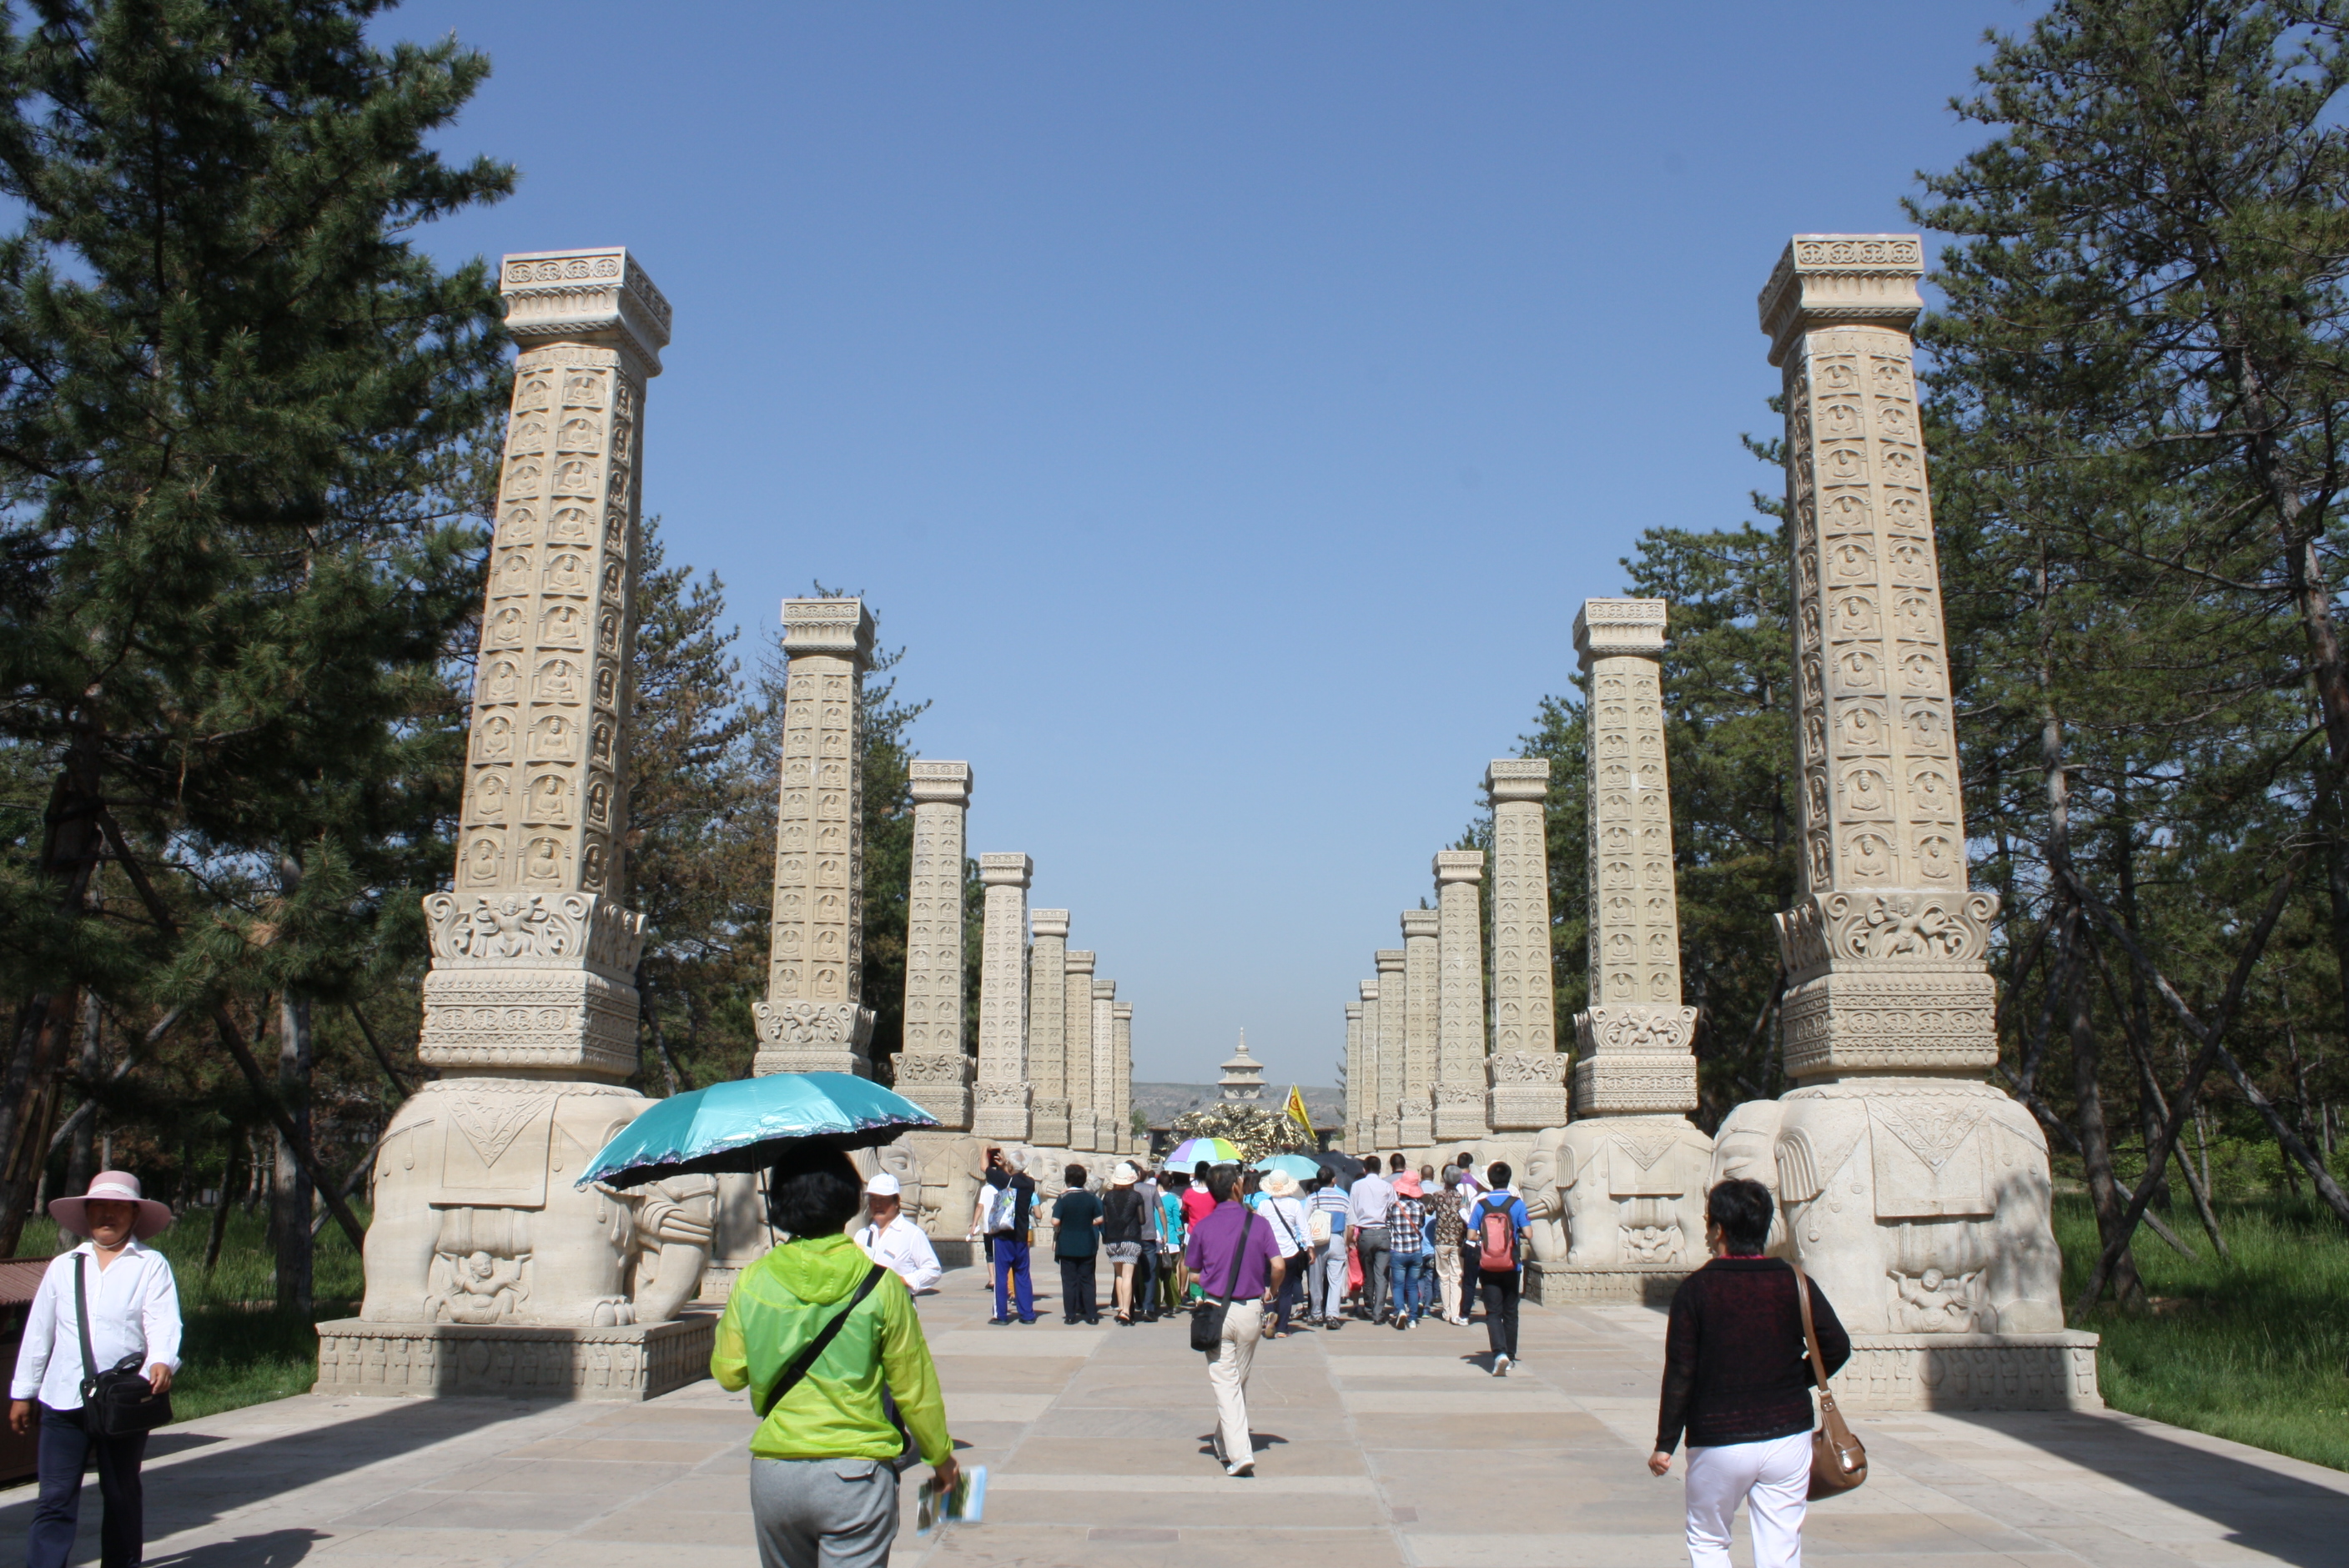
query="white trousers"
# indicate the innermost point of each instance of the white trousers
(1773, 1477)
(1228, 1374)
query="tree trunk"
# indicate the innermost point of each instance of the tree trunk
(290, 1194)
(81, 1156)
(2095, 1146)
(225, 1198)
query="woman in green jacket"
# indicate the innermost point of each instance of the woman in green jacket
(823, 1491)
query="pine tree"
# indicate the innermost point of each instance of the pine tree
(239, 418)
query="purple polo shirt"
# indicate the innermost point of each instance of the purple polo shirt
(1210, 1252)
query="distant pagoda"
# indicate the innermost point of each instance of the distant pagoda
(1242, 1079)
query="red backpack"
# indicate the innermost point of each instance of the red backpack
(1496, 1236)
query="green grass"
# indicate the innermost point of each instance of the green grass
(239, 1350)
(2254, 1350)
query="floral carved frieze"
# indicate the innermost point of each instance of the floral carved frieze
(1872, 927)
(812, 1024)
(1620, 1031)
(515, 928)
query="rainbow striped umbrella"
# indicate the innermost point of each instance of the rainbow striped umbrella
(1213, 1151)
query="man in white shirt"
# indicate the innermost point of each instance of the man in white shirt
(893, 1240)
(1371, 1199)
(133, 1311)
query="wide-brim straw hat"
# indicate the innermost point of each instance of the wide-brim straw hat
(1123, 1176)
(1407, 1184)
(121, 1187)
(1279, 1183)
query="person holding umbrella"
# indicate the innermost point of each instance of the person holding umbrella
(823, 1337)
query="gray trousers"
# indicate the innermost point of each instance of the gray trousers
(823, 1513)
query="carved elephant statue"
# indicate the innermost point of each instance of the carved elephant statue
(1922, 1208)
(1745, 1147)
(477, 1220)
(1630, 1190)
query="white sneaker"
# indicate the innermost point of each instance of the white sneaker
(1242, 1470)
(1500, 1366)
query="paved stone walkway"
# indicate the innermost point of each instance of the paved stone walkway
(1375, 1448)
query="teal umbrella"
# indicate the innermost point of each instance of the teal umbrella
(1297, 1165)
(746, 1124)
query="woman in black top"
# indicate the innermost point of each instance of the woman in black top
(1125, 1223)
(1737, 1381)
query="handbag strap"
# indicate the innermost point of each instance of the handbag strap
(815, 1347)
(81, 1319)
(1239, 1254)
(1810, 1334)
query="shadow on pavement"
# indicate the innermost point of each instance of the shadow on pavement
(271, 1549)
(2291, 1520)
(196, 1491)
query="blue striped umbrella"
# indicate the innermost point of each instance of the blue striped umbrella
(746, 1124)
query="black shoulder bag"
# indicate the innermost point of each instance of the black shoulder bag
(119, 1403)
(1208, 1318)
(908, 1454)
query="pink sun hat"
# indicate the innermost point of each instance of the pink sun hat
(121, 1186)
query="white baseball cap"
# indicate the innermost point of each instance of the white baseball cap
(883, 1186)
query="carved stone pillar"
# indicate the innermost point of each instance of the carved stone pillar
(1048, 1027)
(1914, 1191)
(486, 1271)
(1121, 1062)
(1633, 1043)
(1104, 1044)
(1078, 1032)
(1459, 997)
(1003, 1085)
(1387, 1127)
(933, 1070)
(1357, 1102)
(1617, 1195)
(1422, 1026)
(814, 1018)
(1527, 1074)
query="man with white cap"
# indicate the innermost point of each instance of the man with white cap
(893, 1240)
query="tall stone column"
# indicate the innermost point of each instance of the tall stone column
(814, 1018)
(1121, 1058)
(1422, 1026)
(1633, 1043)
(1104, 1043)
(486, 1271)
(1003, 1086)
(933, 1070)
(1460, 996)
(1357, 1100)
(1047, 1025)
(1387, 1127)
(1916, 1192)
(1617, 1195)
(1077, 1034)
(1527, 1074)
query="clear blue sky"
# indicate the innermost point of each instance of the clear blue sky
(1228, 407)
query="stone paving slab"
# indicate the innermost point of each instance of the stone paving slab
(1375, 1449)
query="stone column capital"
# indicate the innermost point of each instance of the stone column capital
(1078, 961)
(1842, 280)
(840, 627)
(1606, 628)
(1516, 778)
(1005, 871)
(1418, 922)
(1047, 923)
(1104, 990)
(599, 295)
(939, 783)
(1353, 1012)
(1388, 961)
(1459, 866)
(1123, 1012)
(1368, 989)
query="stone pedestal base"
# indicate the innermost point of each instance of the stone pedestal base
(937, 1082)
(1386, 1131)
(1971, 1372)
(1003, 1112)
(1415, 1124)
(1051, 1123)
(1084, 1128)
(510, 1361)
(1459, 1114)
(1553, 1285)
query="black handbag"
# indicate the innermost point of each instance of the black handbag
(119, 1403)
(908, 1454)
(1207, 1317)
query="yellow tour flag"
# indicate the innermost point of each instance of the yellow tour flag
(1296, 1109)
